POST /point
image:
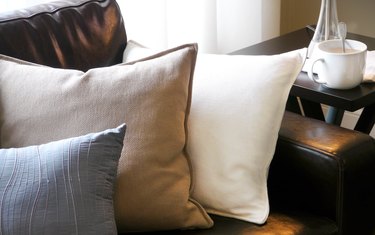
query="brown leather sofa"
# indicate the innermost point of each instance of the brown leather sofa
(322, 177)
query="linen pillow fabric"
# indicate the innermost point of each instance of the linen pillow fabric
(237, 106)
(63, 187)
(152, 96)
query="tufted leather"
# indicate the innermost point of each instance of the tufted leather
(78, 34)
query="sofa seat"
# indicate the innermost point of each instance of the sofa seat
(279, 223)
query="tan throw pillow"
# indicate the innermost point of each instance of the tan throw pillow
(41, 104)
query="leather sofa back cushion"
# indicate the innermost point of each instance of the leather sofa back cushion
(40, 104)
(77, 34)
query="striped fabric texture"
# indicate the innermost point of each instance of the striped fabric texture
(63, 187)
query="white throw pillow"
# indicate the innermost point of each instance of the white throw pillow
(237, 106)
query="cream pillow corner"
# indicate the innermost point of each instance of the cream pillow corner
(237, 106)
(42, 104)
(135, 50)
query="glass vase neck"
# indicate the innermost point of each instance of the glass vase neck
(327, 27)
(327, 23)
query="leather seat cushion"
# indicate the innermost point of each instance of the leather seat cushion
(278, 223)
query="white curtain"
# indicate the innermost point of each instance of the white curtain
(219, 26)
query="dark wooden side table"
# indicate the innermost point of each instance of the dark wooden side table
(311, 94)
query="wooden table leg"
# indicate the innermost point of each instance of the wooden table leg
(367, 120)
(334, 115)
(312, 109)
(292, 105)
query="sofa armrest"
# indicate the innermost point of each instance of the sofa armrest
(326, 170)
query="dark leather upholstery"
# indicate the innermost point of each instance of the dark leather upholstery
(326, 170)
(278, 223)
(84, 35)
(322, 177)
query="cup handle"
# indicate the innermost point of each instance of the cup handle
(310, 72)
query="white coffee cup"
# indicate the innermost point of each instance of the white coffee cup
(337, 69)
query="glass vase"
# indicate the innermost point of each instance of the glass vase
(327, 27)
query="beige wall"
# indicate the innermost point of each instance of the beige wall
(359, 15)
(296, 14)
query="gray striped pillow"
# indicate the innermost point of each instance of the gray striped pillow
(63, 187)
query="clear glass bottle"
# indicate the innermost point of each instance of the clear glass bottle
(327, 27)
